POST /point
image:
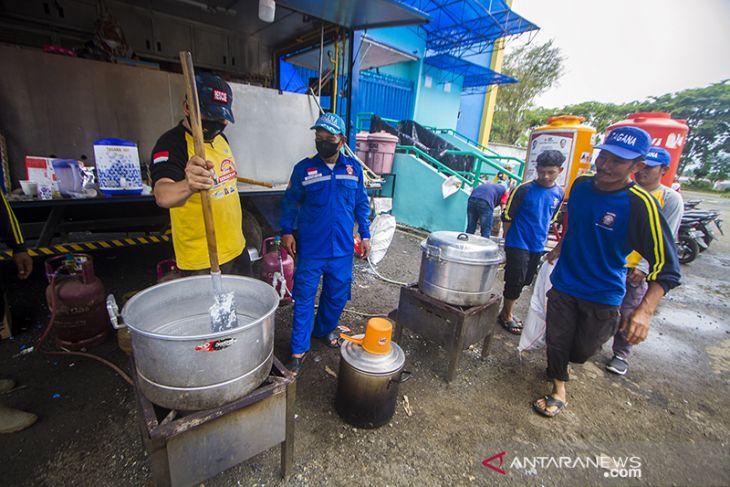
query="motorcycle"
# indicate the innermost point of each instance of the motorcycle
(705, 219)
(689, 240)
(691, 204)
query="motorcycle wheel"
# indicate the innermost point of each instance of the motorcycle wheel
(687, 250)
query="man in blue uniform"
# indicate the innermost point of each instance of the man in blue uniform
(325, 196)
(608, 217)
(480, 207)
(530, 210)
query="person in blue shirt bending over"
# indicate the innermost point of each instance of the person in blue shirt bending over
(608, 216)
(530, 210)
(480, 207)
(325, 196)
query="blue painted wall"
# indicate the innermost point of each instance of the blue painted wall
(470, 115)
(472, 106)
(434, 106)
(418, 202)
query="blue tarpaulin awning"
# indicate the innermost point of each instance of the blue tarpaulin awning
(460, 26)
(476, 77)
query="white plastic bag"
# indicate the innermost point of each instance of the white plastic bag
(450, 186)
(533, 333)
(382, 229)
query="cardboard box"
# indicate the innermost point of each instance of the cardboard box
(40, 169)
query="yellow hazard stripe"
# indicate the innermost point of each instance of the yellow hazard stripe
(85, 246)
(656, 229)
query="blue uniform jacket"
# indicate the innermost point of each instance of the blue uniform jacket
(324, 204)
(603, 228)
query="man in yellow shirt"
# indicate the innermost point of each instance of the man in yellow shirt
(178, 176)
(671, 206)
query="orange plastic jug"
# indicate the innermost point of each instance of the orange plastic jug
(377, 336)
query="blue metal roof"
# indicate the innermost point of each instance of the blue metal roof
(459, 26)
(476, 78)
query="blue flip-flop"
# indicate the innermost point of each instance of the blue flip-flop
(550, 402)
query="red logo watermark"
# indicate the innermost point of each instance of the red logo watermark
(488, 462)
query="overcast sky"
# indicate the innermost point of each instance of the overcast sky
(623, 50)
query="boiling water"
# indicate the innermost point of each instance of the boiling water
(195, 325)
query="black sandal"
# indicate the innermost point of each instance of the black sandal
(295, 363)
(550, 402)
(513, 326)
(332, 339)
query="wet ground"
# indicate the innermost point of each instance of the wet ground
(667, 419)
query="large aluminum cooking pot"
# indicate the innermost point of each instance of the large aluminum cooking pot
(180, 363)
(458, 268)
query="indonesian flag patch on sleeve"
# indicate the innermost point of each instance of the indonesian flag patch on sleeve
(161, 156)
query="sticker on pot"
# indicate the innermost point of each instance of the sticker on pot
(215, 345)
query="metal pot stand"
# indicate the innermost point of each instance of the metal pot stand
(186, 449)
(454, 327)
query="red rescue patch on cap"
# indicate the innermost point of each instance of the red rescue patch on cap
(220, 96)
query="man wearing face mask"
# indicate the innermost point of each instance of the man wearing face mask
(178, 175)
(325, 196)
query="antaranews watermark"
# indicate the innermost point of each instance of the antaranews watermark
(632, 463)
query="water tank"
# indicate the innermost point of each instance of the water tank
(665, 132)
(567, 134)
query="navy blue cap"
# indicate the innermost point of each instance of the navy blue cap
(658, 156)
(332, 123)
(627, 142)
(215, 96)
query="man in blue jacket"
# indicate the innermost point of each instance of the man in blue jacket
(608, 216)
(325, 196)
(530, 211)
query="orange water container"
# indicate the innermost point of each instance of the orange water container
(665, 132)
(568, 135)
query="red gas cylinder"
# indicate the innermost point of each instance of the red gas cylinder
(274, 260)
(665, 132)
(78, 297)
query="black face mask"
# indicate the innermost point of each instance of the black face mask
(327, 149)
(212, 128)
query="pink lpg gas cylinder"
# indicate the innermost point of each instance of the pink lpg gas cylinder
(77, 301)
(665, 132)
(277, 267)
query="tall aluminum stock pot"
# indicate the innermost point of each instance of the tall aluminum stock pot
(458, 268)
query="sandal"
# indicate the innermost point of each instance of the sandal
(550, 402)
(332, 339)
(513, 326)
(295, 363)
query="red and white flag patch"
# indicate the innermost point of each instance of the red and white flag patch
(161, 156)
(220, 96)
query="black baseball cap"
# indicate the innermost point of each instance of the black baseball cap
(215, 96)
